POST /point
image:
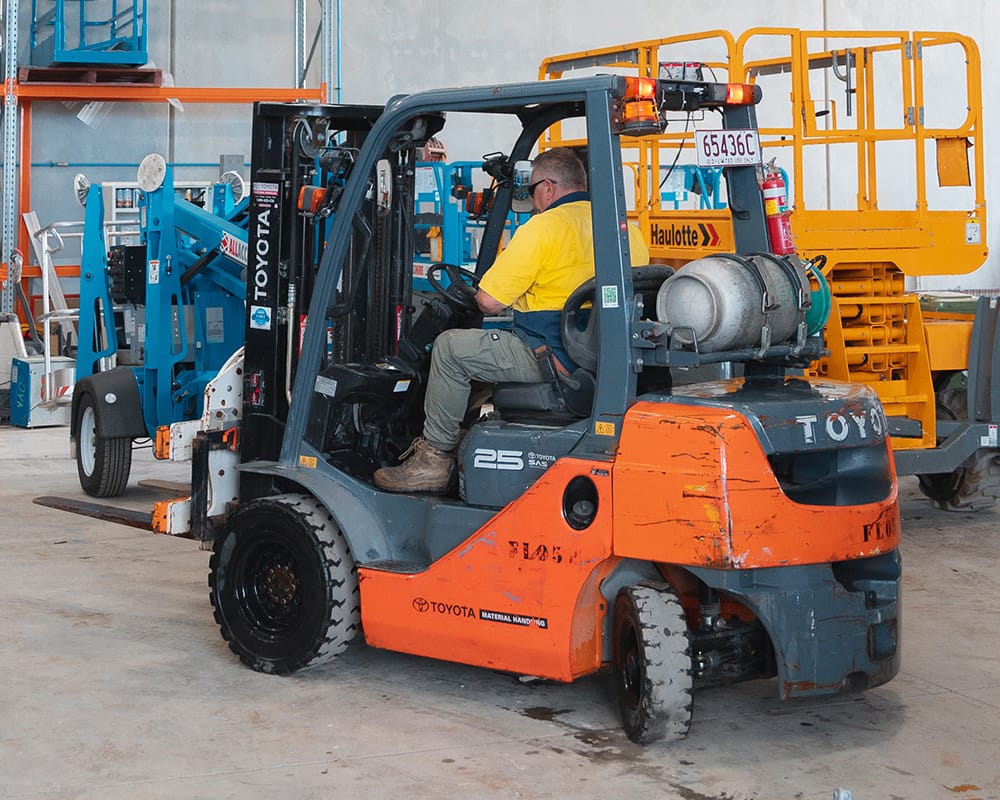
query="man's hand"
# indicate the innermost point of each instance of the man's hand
(488, 304)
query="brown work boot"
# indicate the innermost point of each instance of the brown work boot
(424, 469)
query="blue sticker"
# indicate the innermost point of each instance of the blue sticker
(260, 318)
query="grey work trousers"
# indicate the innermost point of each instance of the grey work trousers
(460, 357)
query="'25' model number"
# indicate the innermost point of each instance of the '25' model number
(487, 458)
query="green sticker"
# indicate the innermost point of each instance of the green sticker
(609, 296)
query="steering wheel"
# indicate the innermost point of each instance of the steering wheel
(460, 293)
(579, 325)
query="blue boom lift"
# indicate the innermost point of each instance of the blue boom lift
(170, 310)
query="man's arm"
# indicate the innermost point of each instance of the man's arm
(488, 304)
(514, 271)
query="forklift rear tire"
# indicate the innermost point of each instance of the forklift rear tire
(975, 485)
(283, 585)
(652, 664)
(103, 463)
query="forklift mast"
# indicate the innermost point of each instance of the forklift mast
(298, 152)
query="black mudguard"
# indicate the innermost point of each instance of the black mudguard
(117, 404)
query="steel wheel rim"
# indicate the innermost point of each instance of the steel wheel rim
(630, 669)
(270, 596)
(88, 440)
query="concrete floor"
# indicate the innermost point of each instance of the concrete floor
(115, 683)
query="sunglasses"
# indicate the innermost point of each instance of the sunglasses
(536, 184)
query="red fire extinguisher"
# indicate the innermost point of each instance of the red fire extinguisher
(779, 225)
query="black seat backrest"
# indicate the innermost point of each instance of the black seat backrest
(565, 400)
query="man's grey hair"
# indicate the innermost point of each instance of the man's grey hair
(561, 165)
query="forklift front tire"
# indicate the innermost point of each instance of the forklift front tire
(102, 463)
(652, 664)
(283, 585)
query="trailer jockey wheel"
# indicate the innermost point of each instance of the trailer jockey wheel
(283, 585)
(652, 664)
(460, 293)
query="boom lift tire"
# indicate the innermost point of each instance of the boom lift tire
(652, 664)
(283, 585)
(975, 485)
(103, 463)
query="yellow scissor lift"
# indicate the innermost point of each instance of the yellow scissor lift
(879, 134)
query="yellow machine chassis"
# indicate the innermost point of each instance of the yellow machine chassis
(876, 333)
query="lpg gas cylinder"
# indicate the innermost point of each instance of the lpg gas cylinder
(717, 303)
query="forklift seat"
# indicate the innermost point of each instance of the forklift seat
(565, 400)
(559, 402)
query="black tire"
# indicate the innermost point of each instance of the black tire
(975, 485)
(652, 664)
(103, 464)
(283, 585)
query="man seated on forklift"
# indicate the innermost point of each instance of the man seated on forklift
(546, 260)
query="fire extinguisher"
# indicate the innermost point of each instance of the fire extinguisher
(779, 225)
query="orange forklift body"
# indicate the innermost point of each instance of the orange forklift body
(688, 488)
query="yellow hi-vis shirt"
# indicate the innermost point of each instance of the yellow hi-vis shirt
(548, 257)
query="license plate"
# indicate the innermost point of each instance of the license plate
(733, 148)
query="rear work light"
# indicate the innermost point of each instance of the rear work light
(742, 94)
(640, 88)
(639, 114)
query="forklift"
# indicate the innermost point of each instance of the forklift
(678, 534)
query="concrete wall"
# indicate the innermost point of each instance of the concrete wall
(392, 47)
